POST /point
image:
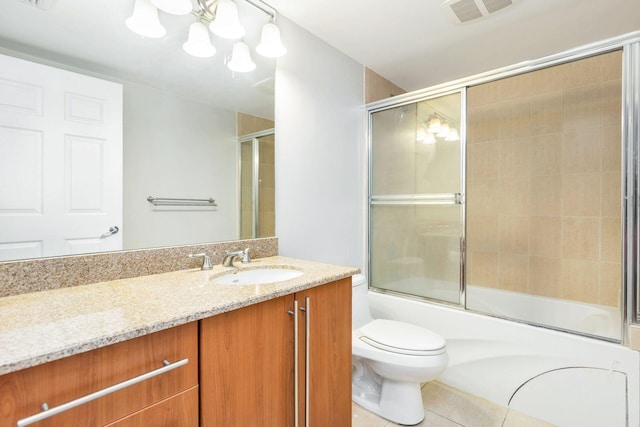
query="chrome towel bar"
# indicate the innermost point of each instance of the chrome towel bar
(166, 201)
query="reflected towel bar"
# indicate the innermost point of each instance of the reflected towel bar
(166, 201)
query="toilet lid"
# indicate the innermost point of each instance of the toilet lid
(400, 337)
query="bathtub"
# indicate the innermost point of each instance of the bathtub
(562, 378)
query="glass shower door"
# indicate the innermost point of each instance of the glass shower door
(415, 201)
(257, 187)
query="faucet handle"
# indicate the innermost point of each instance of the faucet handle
(245, 256)
(206, 262)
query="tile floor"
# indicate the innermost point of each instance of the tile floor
(448, 407)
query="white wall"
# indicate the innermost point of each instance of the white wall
(319, 119)
(183, 149)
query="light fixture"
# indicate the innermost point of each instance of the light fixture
(174, 7)
(227, 22)
(223, 20)
(453, 135)
(434, 125)
(444, 130)
(429, 139)
(241, 59)
(270, 43)
(199, 44)
(144, 20)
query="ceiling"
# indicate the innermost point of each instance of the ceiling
(413, 44)
(410, 42)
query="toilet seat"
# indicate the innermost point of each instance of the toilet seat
(401, 338)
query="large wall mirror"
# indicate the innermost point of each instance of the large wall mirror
(182, 120)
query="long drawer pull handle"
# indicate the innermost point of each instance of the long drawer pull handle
(100, 393)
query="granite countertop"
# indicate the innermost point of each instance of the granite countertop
(43, 326)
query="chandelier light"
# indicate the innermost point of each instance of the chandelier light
(241, 59)
(198, 44)
(144, 20)
(223, 21)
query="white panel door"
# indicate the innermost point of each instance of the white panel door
(60, 161)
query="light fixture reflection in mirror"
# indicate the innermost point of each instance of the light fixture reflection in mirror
(224, 22)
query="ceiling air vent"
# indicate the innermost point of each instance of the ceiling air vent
(40, 4)
(461, 11)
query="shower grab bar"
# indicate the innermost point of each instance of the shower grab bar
(49, 412)
(167, 201)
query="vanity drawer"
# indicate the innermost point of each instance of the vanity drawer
(87, 374)
(179, 410)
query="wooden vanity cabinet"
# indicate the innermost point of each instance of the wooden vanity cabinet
(55, 383)
(248, 367)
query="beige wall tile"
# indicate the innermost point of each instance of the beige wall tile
(547, 113)
(545, 236)
(483, 197)
(581, 194)
(514, 196)
(545, 276)
(516, 87)
(610, 283)
(513, 272)
(612, 65)
(582, 107)
(581, 238)
(611, 103)
(515, 120)
(611, 199)
(514, 234)
(546, 154)
(546, 195)
(580, 281)
(583, 72)
(483, 123)
(611, 143)
(611, 240)
(482, 233)
(485, 159)
(515, 157)
(547, 80)
(482, 94)
(483, 269)
(581, 150)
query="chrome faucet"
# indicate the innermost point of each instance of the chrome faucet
(227, 261)
(206, 261)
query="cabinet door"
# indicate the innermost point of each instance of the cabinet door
(179, 410)
(23, 392)
(326, 315)
(246, 371)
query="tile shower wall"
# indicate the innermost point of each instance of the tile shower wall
(543, 182)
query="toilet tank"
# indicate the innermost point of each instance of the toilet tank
(360, 301)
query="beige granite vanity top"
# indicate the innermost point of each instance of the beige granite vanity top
(39, 327)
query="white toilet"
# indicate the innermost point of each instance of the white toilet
(390, 360)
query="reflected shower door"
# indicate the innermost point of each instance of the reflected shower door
(415, 210)
(257, 187)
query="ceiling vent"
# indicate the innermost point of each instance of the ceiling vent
(40, 4)
(461, 11)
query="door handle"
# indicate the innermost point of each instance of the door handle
(112, 230)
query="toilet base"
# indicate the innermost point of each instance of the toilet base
(397, 401)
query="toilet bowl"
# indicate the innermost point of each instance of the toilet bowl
(390, 361)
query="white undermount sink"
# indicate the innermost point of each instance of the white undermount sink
(256, 276)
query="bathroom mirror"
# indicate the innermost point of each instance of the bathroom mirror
(180, 113)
